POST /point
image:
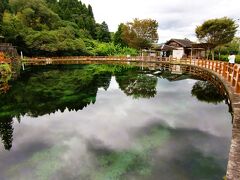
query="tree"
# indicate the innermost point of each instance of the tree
(140, 33)
(102, 32)
(216, 32)
(90, 11)
(75, 11)
(232, 46)
(35, 14)
(3, 6)
(118, 36)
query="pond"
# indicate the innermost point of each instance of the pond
(112, 122)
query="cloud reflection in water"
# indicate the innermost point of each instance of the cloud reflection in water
(114, 123)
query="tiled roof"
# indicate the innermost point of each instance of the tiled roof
(164, 47)
(182, 42)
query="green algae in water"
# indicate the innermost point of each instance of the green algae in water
(43, 163)
(115, 165)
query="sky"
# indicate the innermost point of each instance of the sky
(176, 18)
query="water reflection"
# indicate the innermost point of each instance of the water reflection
(137, 84)
(5, 76)
(6, 133)
(206, 91)
(88, 124)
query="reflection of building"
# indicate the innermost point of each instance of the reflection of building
(182, 48)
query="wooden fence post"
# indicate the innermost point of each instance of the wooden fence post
(237, 85)
(234, 75)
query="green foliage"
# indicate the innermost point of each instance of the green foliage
(5, 70)
(75, 11)
(108, 49)
(102, 32)
(217, 31)
(64, 39)
(233, 46)
(51, 27)
(225, 58)
(3, 7)
(139, 34)
(34, 14)
(118, 36)
(5, 77)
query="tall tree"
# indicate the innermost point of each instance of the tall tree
(102, 32)
(118, 36)
(3, 6)
(232, 46)
(217, 32)
(53, 5)
(35, 14)
(140, 33)
(90, 11)
(77, 12)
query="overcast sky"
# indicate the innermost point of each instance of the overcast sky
(176, 18)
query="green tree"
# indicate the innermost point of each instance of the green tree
(216, 32)
(3, 6)
(14, 30)
(90, 11)
(140, 33)
(118, 36)
(234, 46)
(35, 14)
(102, 32)
(75, 11)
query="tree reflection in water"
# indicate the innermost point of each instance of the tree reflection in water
(206, 91)
(43, 92)
(40, 93)
(137, 84)
(6, 133)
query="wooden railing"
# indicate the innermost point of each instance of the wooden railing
(231, 73)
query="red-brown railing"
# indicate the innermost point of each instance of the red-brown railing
(229, 72)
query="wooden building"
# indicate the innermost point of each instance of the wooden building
(183, 48)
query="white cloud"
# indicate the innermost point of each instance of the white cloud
(176, 18)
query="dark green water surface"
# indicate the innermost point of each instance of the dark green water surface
(101, 122)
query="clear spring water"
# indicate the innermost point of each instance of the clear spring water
(112, 122)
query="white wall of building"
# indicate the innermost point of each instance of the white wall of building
(178, 53)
